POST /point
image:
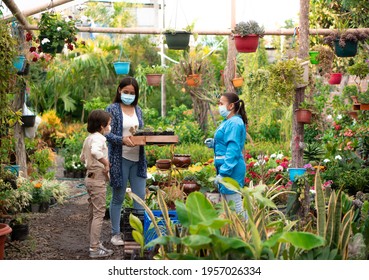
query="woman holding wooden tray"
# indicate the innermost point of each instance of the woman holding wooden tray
(128, 161)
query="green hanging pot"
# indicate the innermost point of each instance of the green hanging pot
(349, 50)
(177, 40)
(314, 57)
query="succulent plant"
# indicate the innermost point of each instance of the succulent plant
(248, 28)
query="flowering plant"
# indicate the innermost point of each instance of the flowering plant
(55, 32)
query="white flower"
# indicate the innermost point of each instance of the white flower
(67, 19)
(44, 41)
(279, 156)
(58, 28)
(339, 117)
(326, 160)
(149, 176)
(329, 118)
(338, 157)
(273, 155)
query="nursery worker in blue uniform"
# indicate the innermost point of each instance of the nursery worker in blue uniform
(228, 143)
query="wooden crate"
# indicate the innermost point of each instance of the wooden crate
(155, 140)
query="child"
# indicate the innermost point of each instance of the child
(95, 157)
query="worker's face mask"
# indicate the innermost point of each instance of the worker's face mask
(127, 99)
(223, 111)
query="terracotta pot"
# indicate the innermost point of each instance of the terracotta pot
(4, 231)
(335, 78)
(163, 164)
(364, 106)
(153, 79)
(193, 80)
(190, 186)
(353, 114)
(303, 116)
(181, 161)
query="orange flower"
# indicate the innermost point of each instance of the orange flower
(38, 185)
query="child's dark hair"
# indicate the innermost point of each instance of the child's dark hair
(123, 83)
(239, 105)
(97, 119)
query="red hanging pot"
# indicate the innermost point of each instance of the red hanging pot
(153, 79)
(246, 44)
(335, 78)
(4, 230)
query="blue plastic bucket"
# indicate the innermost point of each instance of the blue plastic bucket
(296, 172)
(12, 168)
(121, 68)
(18, 62)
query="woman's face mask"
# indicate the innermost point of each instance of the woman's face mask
(223, 111)
(127, 99)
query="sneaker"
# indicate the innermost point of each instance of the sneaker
(100, 252)
(116, 240)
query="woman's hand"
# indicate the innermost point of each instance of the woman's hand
(128, 142)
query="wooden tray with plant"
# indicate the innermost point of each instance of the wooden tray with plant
(148, 136)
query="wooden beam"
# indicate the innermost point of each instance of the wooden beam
(38, 9)
(155, 31)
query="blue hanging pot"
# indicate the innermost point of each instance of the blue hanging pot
(121, 68)
(19, 62)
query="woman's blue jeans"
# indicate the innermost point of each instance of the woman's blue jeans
(138, 187)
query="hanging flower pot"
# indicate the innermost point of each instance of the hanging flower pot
(246, 44)
(237, 82)
(19, 62)
(313, 57)
(293, 172)
(153, 79)
(303, 116)
(335, 78)
(193, 80)
(348, 50)
(121, 68)
(177, 40)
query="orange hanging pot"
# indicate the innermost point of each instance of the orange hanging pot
(193, 80)
(237, 82)
(153, 79)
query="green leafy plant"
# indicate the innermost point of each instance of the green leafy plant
(250, 27)
(154, 69)
(284, 76)
(345, 35)
(325, 57)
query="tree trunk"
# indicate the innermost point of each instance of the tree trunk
(230, 67)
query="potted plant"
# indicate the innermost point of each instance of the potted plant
(246, 36)
(55, 32)
(304, 112)
(192, 70)
(189, 183)
(324, 57)
(285, 76)
(20, 227)
(178, 39)
(360, 69)
(345, 42)
(153, 74)
(363, 99)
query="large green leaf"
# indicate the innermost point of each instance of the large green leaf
(225, 244)
(135, 223)
(196, 241)
(138, 237)
(302, 240)
(199, 209)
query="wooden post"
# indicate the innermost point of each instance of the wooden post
(297, 145)
(231, 55)
(298, 128)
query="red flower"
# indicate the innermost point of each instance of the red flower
(247, 180)
(70, 47)
(32, 49)
(28, 37)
